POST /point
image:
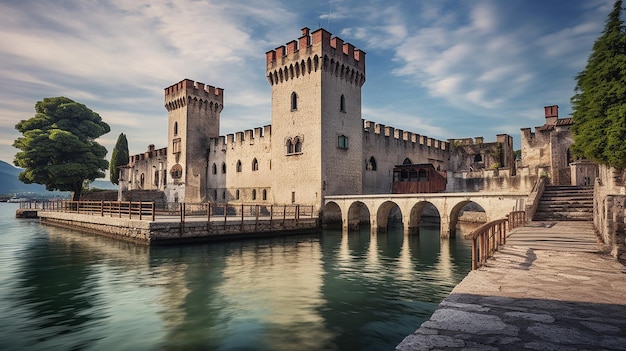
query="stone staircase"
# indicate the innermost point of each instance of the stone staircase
(565, 203)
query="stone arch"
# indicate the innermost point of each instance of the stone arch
(407, 161)
(415, 216)
(383, 212)
(356, 215)
(456, 211)
(331, 216)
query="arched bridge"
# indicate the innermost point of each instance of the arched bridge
(348, 209)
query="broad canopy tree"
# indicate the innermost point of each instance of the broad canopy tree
(58, 147)
(119, 157)
(599, 103)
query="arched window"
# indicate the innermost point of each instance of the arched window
(175, 128)
(223, 167)
(289, 146)
(214, 168)
(478, 158)
(237, 195)
(264, 194)
(255, 165)
(342, 103)
(298, 145)
(253, 194)
(294, 101)
(142, 179)
(407, 161)
(238, 166)
(371, 164)
(223, 195)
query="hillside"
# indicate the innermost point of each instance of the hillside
(10, 184)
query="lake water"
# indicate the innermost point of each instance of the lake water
(64, 290)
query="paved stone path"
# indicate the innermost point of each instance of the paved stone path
(548, 288)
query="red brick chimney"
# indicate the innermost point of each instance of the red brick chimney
(552, 114)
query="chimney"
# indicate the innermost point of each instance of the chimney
(552, 114)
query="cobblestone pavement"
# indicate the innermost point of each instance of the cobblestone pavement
(548, 288)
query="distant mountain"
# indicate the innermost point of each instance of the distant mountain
(10, 184)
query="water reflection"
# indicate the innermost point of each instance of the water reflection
(333, 291)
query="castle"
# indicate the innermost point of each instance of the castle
(317, 144)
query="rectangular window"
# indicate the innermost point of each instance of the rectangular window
(176, 146)
(342, 142)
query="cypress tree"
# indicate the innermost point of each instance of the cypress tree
(119, 157)
(599, 103)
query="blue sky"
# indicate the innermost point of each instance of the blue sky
(445, 69)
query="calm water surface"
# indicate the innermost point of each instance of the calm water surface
(63, 290)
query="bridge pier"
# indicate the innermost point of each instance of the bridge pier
(410, 230)
(445, 228)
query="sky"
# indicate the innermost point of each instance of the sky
(442, 68)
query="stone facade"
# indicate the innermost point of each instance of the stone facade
(546, 151)
(317, 144)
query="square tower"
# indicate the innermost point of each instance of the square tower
(316, 118)
(193, 118)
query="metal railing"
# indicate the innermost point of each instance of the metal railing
(487, 238)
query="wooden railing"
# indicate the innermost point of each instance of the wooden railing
(210, 212)
(487, 238)
(226, 213)
(137, 210)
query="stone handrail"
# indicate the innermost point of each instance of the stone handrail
(535, 196)
(487, 238)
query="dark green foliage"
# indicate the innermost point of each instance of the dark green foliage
(58, 148)
(599, 104)
(119, 157)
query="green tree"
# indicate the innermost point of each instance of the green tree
(119, 157)
(599, 103)
(58, 148)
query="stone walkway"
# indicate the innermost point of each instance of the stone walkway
(549, 288)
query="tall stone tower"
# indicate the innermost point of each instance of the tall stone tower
(316, 116)
(193, 117)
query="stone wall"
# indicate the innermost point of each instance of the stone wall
(146, 232)
(609, 210)
(499, 180)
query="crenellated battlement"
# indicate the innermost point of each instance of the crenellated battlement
(151, 153)
(254, 136)
(381, 131)
(313, 52)
(187, 92)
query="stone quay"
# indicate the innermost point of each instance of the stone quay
(548, 288)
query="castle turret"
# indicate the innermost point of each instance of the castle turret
(194, 117)
(316, 112)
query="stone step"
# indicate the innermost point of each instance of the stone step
(565, 205)
(567, 201)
